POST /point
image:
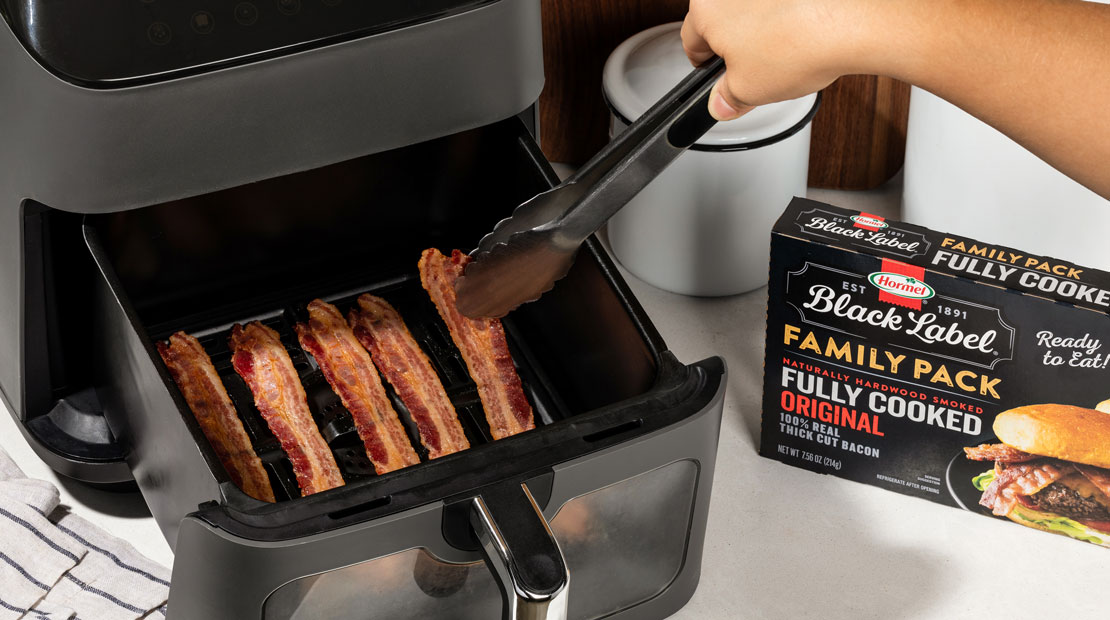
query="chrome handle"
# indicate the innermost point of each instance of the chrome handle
(521, 552)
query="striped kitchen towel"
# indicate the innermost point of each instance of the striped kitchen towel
(55, 565)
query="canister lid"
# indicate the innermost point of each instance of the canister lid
(647, 65)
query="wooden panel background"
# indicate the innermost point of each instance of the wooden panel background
(578, 35)
(858, 135)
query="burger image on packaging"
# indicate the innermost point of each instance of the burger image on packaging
(1050, 471)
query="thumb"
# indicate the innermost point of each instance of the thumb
(720, 107)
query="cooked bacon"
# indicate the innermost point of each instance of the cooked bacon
(347, 367)
(483, 347)
(262, 361)
(196, 377)
(407, 368)
(998, 452)
(1097, 475)
(1012, 481)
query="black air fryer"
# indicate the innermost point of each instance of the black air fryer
(168, 166)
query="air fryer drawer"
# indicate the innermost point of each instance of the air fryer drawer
(613, 407)
(630, 520)
(263, 251)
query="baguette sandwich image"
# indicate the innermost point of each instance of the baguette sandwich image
(1051, 470)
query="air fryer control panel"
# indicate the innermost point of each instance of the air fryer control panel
(112, 43)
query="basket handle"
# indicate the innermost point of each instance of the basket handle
(521, 552)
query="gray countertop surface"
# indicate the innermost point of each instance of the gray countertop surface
(783, 542)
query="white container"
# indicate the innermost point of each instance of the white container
(703, 226)
(964, 177)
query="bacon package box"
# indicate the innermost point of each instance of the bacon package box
(963, 372)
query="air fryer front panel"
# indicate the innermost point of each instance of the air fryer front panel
(115, 43)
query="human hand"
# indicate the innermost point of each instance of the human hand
(996, 59)
(774, 49)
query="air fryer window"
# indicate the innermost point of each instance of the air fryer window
(624, 544)
(412, 584)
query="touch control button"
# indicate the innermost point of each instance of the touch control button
(246, 13)
(203, 22)
(289, 7)
(159, 33)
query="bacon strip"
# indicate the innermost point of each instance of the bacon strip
(1097, 475)
(260, 358)
(1013, 481)
(196, 377)
(483, 346)
(347, 367)
(998, 452)
(407, 368)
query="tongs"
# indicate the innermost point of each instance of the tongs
(529, 251)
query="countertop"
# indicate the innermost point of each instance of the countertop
(783, 542)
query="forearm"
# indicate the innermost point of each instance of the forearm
(1038, 71)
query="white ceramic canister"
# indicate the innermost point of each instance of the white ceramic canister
(964, 177)
(703, 226)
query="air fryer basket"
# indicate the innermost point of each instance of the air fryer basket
(336, 426)
(595, 371)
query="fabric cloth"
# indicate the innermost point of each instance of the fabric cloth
(55, 565)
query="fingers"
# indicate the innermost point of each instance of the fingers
(723, 105)
(693, 43)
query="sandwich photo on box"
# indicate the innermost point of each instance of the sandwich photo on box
(1050, 470)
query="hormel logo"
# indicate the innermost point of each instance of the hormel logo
(843, 301)
(901, 285)
(869, 222)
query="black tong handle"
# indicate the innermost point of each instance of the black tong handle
(693, 124)
(627, 164)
